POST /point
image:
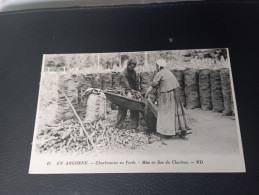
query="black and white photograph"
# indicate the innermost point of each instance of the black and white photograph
(133, 112)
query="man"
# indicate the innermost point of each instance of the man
(129, 82)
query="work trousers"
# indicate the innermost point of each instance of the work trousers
(122, 114)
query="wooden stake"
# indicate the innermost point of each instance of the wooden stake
(81, 123)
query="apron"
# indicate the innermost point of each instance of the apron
(171, 117)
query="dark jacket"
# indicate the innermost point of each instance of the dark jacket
(129, 80)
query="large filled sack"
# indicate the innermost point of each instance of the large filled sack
(191, 80)
(205, 89)
(216, 91)
(115, 79)
(180, 78)
(84, 83)
(115, 84)
(87, 81)
(66, 86)
(146, 79)
(97, 81)
(226, 91)
(106, 80)
(96, 107)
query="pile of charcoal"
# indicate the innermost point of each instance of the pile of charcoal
(136, 95)
(69, 136)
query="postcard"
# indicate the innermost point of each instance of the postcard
(163, 111)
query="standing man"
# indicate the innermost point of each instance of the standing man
(129, 82)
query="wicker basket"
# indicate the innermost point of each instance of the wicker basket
(125, 102)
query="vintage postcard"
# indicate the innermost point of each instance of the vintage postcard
(137, 112)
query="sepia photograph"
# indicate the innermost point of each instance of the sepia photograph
(146, 111)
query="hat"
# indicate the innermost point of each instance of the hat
(132, 61)
(161, 63)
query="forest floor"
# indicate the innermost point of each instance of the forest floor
(212, 133)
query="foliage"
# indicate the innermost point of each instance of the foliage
(107, 62)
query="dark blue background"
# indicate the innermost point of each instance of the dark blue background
(26, 36)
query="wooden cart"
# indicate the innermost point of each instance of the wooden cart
(146, 108)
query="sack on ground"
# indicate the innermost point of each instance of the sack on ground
(84, 83)
(146, 79)
(216, 91)
(96, 107)
(115, 84)
(106, 80)
(205, 89)
(116, 79)
(191, 80)
(97, 81)
(226, 91)
(67, 85)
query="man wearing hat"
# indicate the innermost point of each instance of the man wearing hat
(129, 82)
(171, 118)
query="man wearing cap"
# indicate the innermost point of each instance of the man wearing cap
(171, 118)
(129, 82)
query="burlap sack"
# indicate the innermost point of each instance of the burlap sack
(180, 78)
(106, 80)
(96, 108)
(87, 83)
(67, 85)
(205, 89)
(216, 91)
(84, 82)
(146, 79)
(116, 79)
(97, 81)
(191, 80)
(115, 83)
(226, 91)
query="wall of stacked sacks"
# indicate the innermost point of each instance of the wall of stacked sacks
(206, 89)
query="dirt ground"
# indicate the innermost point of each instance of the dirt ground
(212, 133)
